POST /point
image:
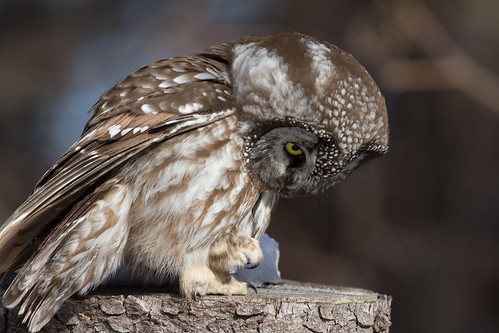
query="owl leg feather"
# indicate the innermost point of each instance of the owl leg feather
(236, 250)
(201, 280)
(224, 258)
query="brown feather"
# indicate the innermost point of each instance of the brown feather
(69, 179)
(178, 169)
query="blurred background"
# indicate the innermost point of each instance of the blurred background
(420, 224)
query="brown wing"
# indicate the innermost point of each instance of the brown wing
(154, 103)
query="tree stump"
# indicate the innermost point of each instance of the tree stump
(287, 307)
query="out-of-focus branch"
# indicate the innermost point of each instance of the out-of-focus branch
(447, 66)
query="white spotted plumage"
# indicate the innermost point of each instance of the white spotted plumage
(178, 169)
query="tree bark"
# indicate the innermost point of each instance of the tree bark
(288, 307)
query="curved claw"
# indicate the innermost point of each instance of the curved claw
(252, 287)
(251, 266)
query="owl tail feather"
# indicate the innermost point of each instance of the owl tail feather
(82, 251)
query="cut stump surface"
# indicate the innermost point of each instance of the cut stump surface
(288, 307)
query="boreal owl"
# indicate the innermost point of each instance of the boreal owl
(181, 163)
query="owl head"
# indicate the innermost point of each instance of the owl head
(310, 112)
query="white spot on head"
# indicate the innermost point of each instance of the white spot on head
(222, 98)
(266, 72)
(321, 63)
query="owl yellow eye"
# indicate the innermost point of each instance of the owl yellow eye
(293, 149)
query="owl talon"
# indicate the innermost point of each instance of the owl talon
(252, 287)
(235, 251)
(201, 280)
(249, 265)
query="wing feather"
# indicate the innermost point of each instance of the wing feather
(31, 273)
(77, 173)
(129, 118)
